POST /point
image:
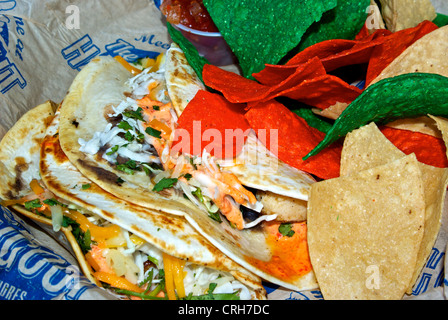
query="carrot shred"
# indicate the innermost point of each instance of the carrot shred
(169, 278)
(179, 277)
(128, 66)
(117, 282)
(174, 276)
(36, 187)
(8, 203)
(97, 233)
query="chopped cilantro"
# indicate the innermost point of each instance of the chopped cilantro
(132, 164)
(157, 108)
(113, 150)
(86, 186)
(124, 125)
(129, 167)
(286, 229)
(153, 132)
(129, 136)
(33, 204)
(215, 216)
(52, 202)
(211, 296)
(134, 114)
(165, 183)
(188, 176)
(125, 169)
(84, 239)
(140, 137)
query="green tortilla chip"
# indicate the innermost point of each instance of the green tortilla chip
(404, 96)
(262, 32)
(196, 61)
(312, 119)
(343, 22)
(441, 20)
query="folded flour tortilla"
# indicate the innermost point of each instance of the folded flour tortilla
(96, 93)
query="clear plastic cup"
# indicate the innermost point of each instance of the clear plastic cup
(210, 45)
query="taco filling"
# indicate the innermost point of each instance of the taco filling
(140, 135)
(125, 263)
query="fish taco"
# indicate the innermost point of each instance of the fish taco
(119, 127)
(136, 252)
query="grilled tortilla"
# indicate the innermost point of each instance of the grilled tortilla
(133, 232)
(19, 151)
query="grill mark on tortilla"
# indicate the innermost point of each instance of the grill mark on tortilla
(100, 173)
(20, 167)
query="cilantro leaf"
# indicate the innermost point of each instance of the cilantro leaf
(286, 230)
(153, 132)
(129, 136)
(165, 183)
(33, 204)
(124, 125)
(134, 114)
(213, 296)
(113, 150)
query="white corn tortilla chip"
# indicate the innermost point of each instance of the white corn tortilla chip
(365, 231)
(366, 148)
(426, 55)
(402, 14)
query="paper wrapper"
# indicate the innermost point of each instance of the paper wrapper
(43, 45)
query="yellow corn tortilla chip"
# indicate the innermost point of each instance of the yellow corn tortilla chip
(365, 231)
(402, 14)
(426, 55)
(367, 147)
(442, 124)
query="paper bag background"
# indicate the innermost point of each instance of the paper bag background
(44, 44)
(40, 53)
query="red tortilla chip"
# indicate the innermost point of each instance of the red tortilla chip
(393, 46)
(322, 92)
(236, 88)
(294, 139)
(338, 53)
(363, 33)
(211, 122)
(308, 83)
(428, 149)
(282, 77)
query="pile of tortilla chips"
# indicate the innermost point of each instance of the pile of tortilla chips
(322, 78)
(371, 230)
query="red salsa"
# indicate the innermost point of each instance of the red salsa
(189, 13)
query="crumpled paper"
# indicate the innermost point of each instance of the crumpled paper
(43, 45)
